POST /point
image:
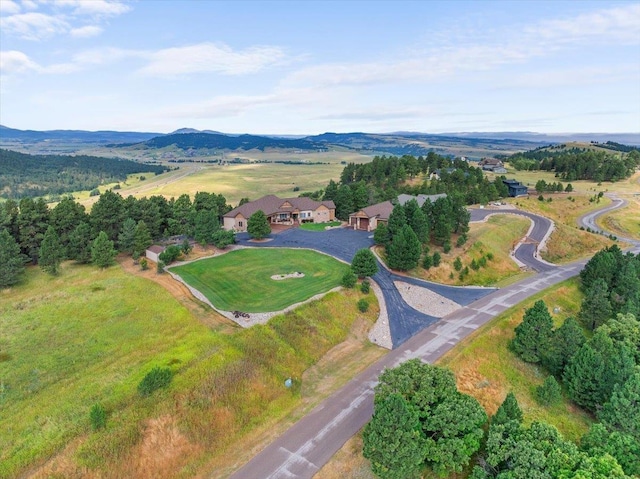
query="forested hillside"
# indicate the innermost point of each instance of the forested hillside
(185, 141)
(23, 175)
(580, 163)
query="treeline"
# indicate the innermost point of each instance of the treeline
(411, 228)
(612, 145)
(422, 423)
(601, 373)
(129, 225)
(579, 164)
(24, 175)
(385, 177)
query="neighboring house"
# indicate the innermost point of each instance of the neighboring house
(437, 174)
(501, 170)
(402, 199)
(367, 219)
(515, 188)
(283, 211)
(153, 252)
(490, 163)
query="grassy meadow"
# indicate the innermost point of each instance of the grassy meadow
(486, 369)
(241, 280)
(89, 336)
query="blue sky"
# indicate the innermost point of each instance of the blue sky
(310, 67)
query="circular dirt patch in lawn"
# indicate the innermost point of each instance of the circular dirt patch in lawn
(279, 277)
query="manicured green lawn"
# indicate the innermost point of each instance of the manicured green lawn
(241, 280)
(318, 226)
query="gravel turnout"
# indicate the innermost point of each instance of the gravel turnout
(425, 300)
(380, 334)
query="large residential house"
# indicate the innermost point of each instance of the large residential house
(282, 211)
(515, 188)
(490, 163)
(368, 219)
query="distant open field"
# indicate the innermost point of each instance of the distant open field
(241, 280)
(486, 369)
(89, 336)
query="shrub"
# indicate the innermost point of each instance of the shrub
(462, 239)
(540, 198)
(446, 246)
(98, 417)
(474, 265)
(160, 267)
(427, 262)
(490, 256)
(365, 287)
(170, 254)
(155, 379)
(144, 264)
(94, 192)
(482, 262)
(549, 392)
(436, 259)
(457, 264)
(349, 279)
(363, 305)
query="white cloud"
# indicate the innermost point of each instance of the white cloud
(9, 7)
(33, 26)
(86, 31)
(60, 17)
(209, 57)
(620, 24)
(480, 53)
(13, 61)
(95, 7)
(29, 4)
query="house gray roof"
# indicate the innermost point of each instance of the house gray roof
(156, 248)
(271, 204)
(403, 199)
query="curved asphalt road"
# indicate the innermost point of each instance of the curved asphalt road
(527, 252)
(589, 220)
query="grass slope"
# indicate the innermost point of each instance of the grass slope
(89, 337)
(241, 280)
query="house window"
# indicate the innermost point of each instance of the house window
(240, 224)
(283, 216)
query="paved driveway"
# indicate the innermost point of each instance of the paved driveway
(342, 243)
(527, 252)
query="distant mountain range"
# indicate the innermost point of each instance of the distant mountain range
(397, 143)
(75, 136)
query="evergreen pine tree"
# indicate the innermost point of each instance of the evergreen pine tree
(344, 202)
(596, 308)
(102, 251)
(417, 220)
(51, 252)
(364, 263)
(11, 260)
(80, 241)
(404, 251)
(381, 235)
(533, 335)
(397, 219)
(509, 410)
(141, 239)
(258, 225)
(127, 236)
